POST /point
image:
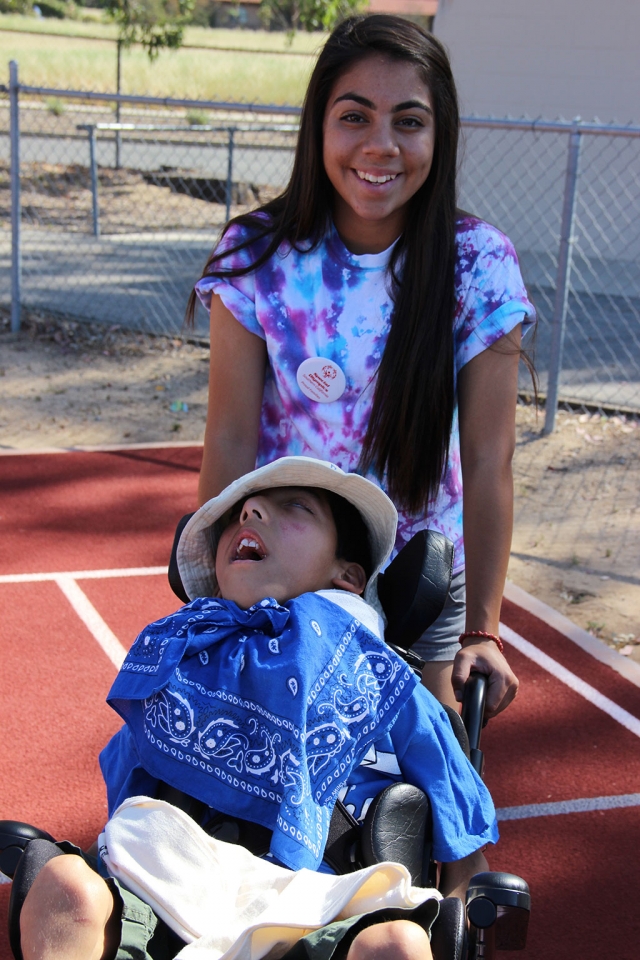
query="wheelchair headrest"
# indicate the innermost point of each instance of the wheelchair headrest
(415, 585)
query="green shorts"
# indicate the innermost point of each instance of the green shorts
(143, 935)
(333, 941)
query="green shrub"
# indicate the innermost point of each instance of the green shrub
(197, 118)
(57, 8)
(16, 6)
(55, 105)
(205, 13)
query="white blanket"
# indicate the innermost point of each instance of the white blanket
(224, 902)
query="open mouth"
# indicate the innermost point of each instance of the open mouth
(250, 549)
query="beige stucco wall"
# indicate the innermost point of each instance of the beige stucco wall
(545, 58)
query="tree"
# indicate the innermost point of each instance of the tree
(292, 15)
(155, 24)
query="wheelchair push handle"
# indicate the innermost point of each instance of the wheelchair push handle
(473, 701)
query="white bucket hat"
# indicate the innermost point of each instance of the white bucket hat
(197, 546)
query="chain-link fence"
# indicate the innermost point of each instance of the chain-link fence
(116, 221)
(113, 222)
(568, 195)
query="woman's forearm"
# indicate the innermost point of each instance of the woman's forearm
(225, 457)
(487, 392)
(236, 383)
(488, 526)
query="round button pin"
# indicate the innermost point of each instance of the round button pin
(321, 379)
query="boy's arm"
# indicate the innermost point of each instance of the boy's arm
(455, 876)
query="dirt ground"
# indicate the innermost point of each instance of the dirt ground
(576, 542)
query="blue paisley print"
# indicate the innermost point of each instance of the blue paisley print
(264, 713)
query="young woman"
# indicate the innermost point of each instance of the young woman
(361, 318)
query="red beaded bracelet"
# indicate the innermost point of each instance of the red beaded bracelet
(483, 635)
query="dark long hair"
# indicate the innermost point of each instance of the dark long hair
(408, 433)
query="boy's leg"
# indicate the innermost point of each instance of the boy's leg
(395, 940)
(69, 914)
(455, 876)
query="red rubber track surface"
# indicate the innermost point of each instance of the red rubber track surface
(103, 510)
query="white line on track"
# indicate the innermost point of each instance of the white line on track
(92, 619)
(83, 574)
(568, 806)
(561, 673)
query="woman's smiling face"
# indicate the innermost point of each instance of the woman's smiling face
(279, 543)
(378, 143)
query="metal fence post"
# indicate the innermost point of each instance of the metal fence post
(118, 104)
(16, 252)
(565, 257)
(93, 164)
(229, 172)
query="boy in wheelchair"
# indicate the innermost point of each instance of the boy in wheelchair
(265, 699)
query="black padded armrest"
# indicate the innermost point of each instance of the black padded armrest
(397, 827)
(414, 587)
(14, 838)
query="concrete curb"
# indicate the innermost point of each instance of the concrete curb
(105, 448)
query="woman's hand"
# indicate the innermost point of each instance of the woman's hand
(236, 384)
(483, 656)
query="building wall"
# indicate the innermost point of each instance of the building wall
(548, 58)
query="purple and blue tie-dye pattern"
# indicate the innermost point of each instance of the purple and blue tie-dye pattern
(328, 302)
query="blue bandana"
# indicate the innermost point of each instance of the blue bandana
(261, 713)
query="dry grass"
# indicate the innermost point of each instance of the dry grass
(92, 23)
(577, 520)
(77, 64)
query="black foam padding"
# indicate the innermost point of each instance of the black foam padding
(504, 889)
(36, 854)
(396, 827)
(510, 894)
(458, 727)
(14, 837)
(448, 933)
(342, 850)
(414, 587)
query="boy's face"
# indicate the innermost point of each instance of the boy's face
(281, 543)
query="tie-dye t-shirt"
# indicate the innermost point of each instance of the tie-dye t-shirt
(333, 304)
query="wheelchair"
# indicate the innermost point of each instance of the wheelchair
(397, 825)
